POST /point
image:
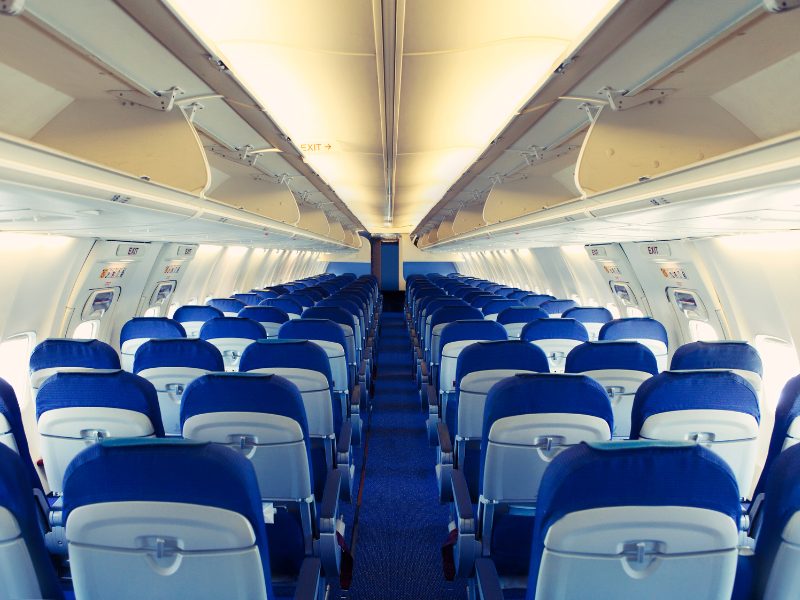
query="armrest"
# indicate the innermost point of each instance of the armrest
(462, 502)
(308, 579)
(355, 400)
(344, 440)
(423, 367)
(445, 443)
(362, 371)
(433, 400)
(487, 580)
(329, 507)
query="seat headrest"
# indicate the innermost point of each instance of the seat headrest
(300, 298)
(633, 328)
(263, 314)
(500, 354)
(536, 299)
(448, 314)
(288, 353)
(151, 327)
(189, 353)
(692, 390)
(167, 470)
(313, 329)
(482, 301)
(9, 408)
(471, 329)
(596, 356)
(787, 411)
(248, 298)
(265, 294)
(62, 352)
(115, 389)
(558, 306)
(495, 306)
(723, 354)
(554, 329)
(232, 327)
(195, 313)
(588, 314)
(231, 305)
(287, 305)
(521, 314)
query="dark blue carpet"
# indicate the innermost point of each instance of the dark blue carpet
(401, 524)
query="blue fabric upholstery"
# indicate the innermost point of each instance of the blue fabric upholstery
(554, 329)
(495, 306)
(788, 410)
(275, 353)
(16, 497)
(692, 390)
(232, 327)
(501, 354)
(171, 470)
(195, 353)
(314, 329)
(59, 352)
(717, 355)
(558, 306)
(249, 298)
(633, 328)
(596, 356)
(536, 299)
(263, 314)
(117, 389)
(588, 314)
(518, 294)
(527, 393)
(287, 305)
(471, 329)
(300, 298)
(590, 476)
(521, 314)
(448, 314)
(151, 327)
(265, 294)
(226, 305)
(782, 501)
(482, 301)
(331, 313)
(9, 408)
(192, 312)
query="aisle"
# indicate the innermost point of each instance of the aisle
(401, 524)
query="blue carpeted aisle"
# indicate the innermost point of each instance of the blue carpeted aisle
(401, 525)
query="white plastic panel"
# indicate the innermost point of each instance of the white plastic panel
(556, 351)
(621, 386)
(472, 399)
(170, 383)
(231, 349)
(17, 575)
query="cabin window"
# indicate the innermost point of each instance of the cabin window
(689, 305)
(780, 362)
(15, 353)
(161, 295)
(86, 330)
(627, 298)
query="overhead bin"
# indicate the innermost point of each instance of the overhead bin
(445, 230)
(314, 219)
(468, 218)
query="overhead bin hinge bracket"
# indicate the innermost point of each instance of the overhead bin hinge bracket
(191, 110)
(496, 179)
(591, 110)
(11, 7)
(540, 154)
(617, 99)
(303, 196)
(163, 100)
(284, 178)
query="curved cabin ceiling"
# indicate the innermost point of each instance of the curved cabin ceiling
(391, 101)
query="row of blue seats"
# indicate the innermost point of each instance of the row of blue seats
(511, 424)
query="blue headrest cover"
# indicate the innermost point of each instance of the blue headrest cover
(168, 470)
(263, 314)
(587, 476)
(595, 356)
(151, 327)
(495, 306)
(501, 354)
(788, 410)
(194, 353)
(633, 328)
(232, 327)
(16, 497)
(249, 299)
(557, 306)
(287, 305)
(536, 299)
(521, 314)
(332, 313)
(588, 314)
(9, 408)
(192, 312)
(448, 314)
(313, 329)
(117, 389)
(482, 301)
(226, 304)
(60, 352)
(692, 390)
(265, 294)
(471, 329)
(717, 355)
(297, 354)
(301, 299)
(554, 329)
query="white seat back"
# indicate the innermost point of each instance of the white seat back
(338, 362)
(18, 577)
(593, 329)
(192, 328)
(170, 382)
(128, 351)
(653, 552)
(231, 350)
(64, 432)
(657, 347)
(621, 386)
(271, 328)
(474, 388)
(556, 351)
(783, 582)
(521, 447)
(730, 434)
(447, 372)
(123, 550)
(6, 435)
(513, 330)
(273, 443)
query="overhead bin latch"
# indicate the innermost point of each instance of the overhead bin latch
(618, 100)
(776, 6)
(11, 7)
(163, 100)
